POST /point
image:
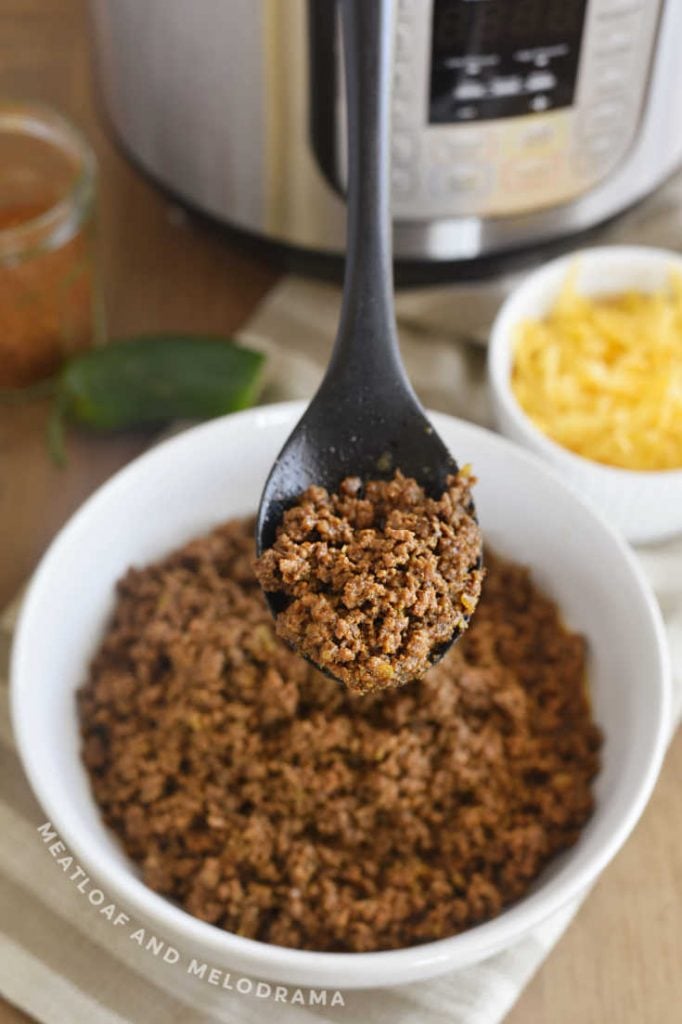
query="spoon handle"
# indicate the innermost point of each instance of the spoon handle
(367, 334)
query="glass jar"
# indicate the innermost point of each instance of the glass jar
(50, 303)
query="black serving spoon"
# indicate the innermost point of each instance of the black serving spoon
(365, 420)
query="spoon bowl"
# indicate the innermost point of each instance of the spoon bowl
(331, 442)
(356, 434)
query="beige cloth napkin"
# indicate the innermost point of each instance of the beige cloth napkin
(59, 960)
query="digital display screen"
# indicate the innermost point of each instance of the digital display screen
(487, 24)
(500, 58)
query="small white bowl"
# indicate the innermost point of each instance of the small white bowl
(199, 478)
(645, 506)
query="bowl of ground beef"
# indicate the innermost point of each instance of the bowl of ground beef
(260, 818)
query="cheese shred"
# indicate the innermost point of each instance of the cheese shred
(602, 375)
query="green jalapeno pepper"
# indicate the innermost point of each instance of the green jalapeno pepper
(152, 379)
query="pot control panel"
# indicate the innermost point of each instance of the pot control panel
(503, 107)
(492, 59)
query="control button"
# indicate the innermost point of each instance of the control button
(603, 116)
(609, 77)
(536, 175)
(402, 148)
(403, 41)
(402, 182)
(599, 145)
(469, 89)
(466, 113)
(597, 154)
(614, 35)
(467, 145)
(539, 103)
(507, 85)
(460, 180)
(540, 81)
(400, 110)
(537, 135)
(534, 137)
(402, 80)
(618, 6)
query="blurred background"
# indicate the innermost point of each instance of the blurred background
(157, 272)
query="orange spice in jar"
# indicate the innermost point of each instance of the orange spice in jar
(49, 299)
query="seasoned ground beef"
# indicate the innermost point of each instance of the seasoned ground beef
(269, 800)
(377, 578)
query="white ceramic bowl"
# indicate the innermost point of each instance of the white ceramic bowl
(645, 506)
(190, 483)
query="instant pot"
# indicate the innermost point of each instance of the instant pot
(515, 123)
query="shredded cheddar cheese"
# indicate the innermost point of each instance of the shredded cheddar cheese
(602, 375)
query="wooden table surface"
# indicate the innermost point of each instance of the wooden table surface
(621, 960)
